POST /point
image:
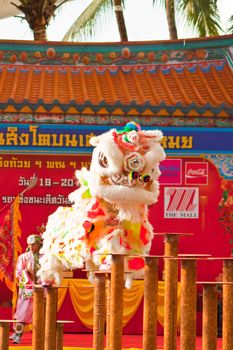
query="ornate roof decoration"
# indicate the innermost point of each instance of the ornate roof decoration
(157, 52)
(165, 79)
(101, 119)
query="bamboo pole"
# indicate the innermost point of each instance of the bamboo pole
(227, 325)
(99, 311)
(38, 319)
(59, 335)
(209, 317)
(171, 286)
(170, 297)
(108, 310)
(4, 334)
(50, 318)
(150, 304)
(117, 285)
(188, 304)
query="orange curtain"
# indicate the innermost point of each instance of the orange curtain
(82, 297)
(62, 293)
(81, 292)
(131, 300)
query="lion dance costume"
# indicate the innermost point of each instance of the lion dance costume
(109, 213)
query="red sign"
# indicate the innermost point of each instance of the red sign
(181, 203)
(171, 172)
(196, 173)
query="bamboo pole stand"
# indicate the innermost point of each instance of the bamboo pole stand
(108, 309)
(170, 297)
(99, 311)
(4, 334)
(117, 285)
(227, 322)
(60, 333)
(188, 305)
(50, 318)
(150, 303)
(188, 300)
(209, 315)
(209, 326)
(38, 319)
(171, 288)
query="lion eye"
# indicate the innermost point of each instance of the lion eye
(103, 161)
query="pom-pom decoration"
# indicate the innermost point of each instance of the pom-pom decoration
(132, 126)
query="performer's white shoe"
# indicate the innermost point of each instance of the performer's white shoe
(15, 338)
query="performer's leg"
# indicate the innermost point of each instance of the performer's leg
(18, 328)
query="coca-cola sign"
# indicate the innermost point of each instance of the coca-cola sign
(196, 173)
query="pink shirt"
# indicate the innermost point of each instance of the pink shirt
(24, 265)
(24, 306)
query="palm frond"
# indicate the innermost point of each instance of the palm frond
(230, 29)
(159, 2)
(85, 23)
(203, 15)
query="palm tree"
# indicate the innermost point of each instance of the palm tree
(230, 29)
(120, 19)
(170, 14)
(202, 15)
(85, 23)
(38, 14)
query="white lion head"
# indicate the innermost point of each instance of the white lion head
(125, 165)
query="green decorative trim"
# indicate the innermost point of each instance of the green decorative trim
(229, 57)
(159, 52)
(116, 120)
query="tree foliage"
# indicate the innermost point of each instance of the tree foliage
(201, 15)
(230, 29)
(38, 14)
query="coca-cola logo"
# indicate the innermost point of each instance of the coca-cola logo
(196, 173)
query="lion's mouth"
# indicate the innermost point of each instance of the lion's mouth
(131, 179)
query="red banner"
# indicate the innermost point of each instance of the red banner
(56, 179)
(10, 248)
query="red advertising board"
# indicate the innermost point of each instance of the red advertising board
(196, 173)
(193, 209)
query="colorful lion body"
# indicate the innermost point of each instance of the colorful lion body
(109, 213)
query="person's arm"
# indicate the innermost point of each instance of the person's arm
(20, 266)
(22, 272)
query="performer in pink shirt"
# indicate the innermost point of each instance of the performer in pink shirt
(26, 274)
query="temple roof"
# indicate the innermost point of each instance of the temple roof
(147, 89)
(155, 78)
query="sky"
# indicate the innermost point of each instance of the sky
(143, 23)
